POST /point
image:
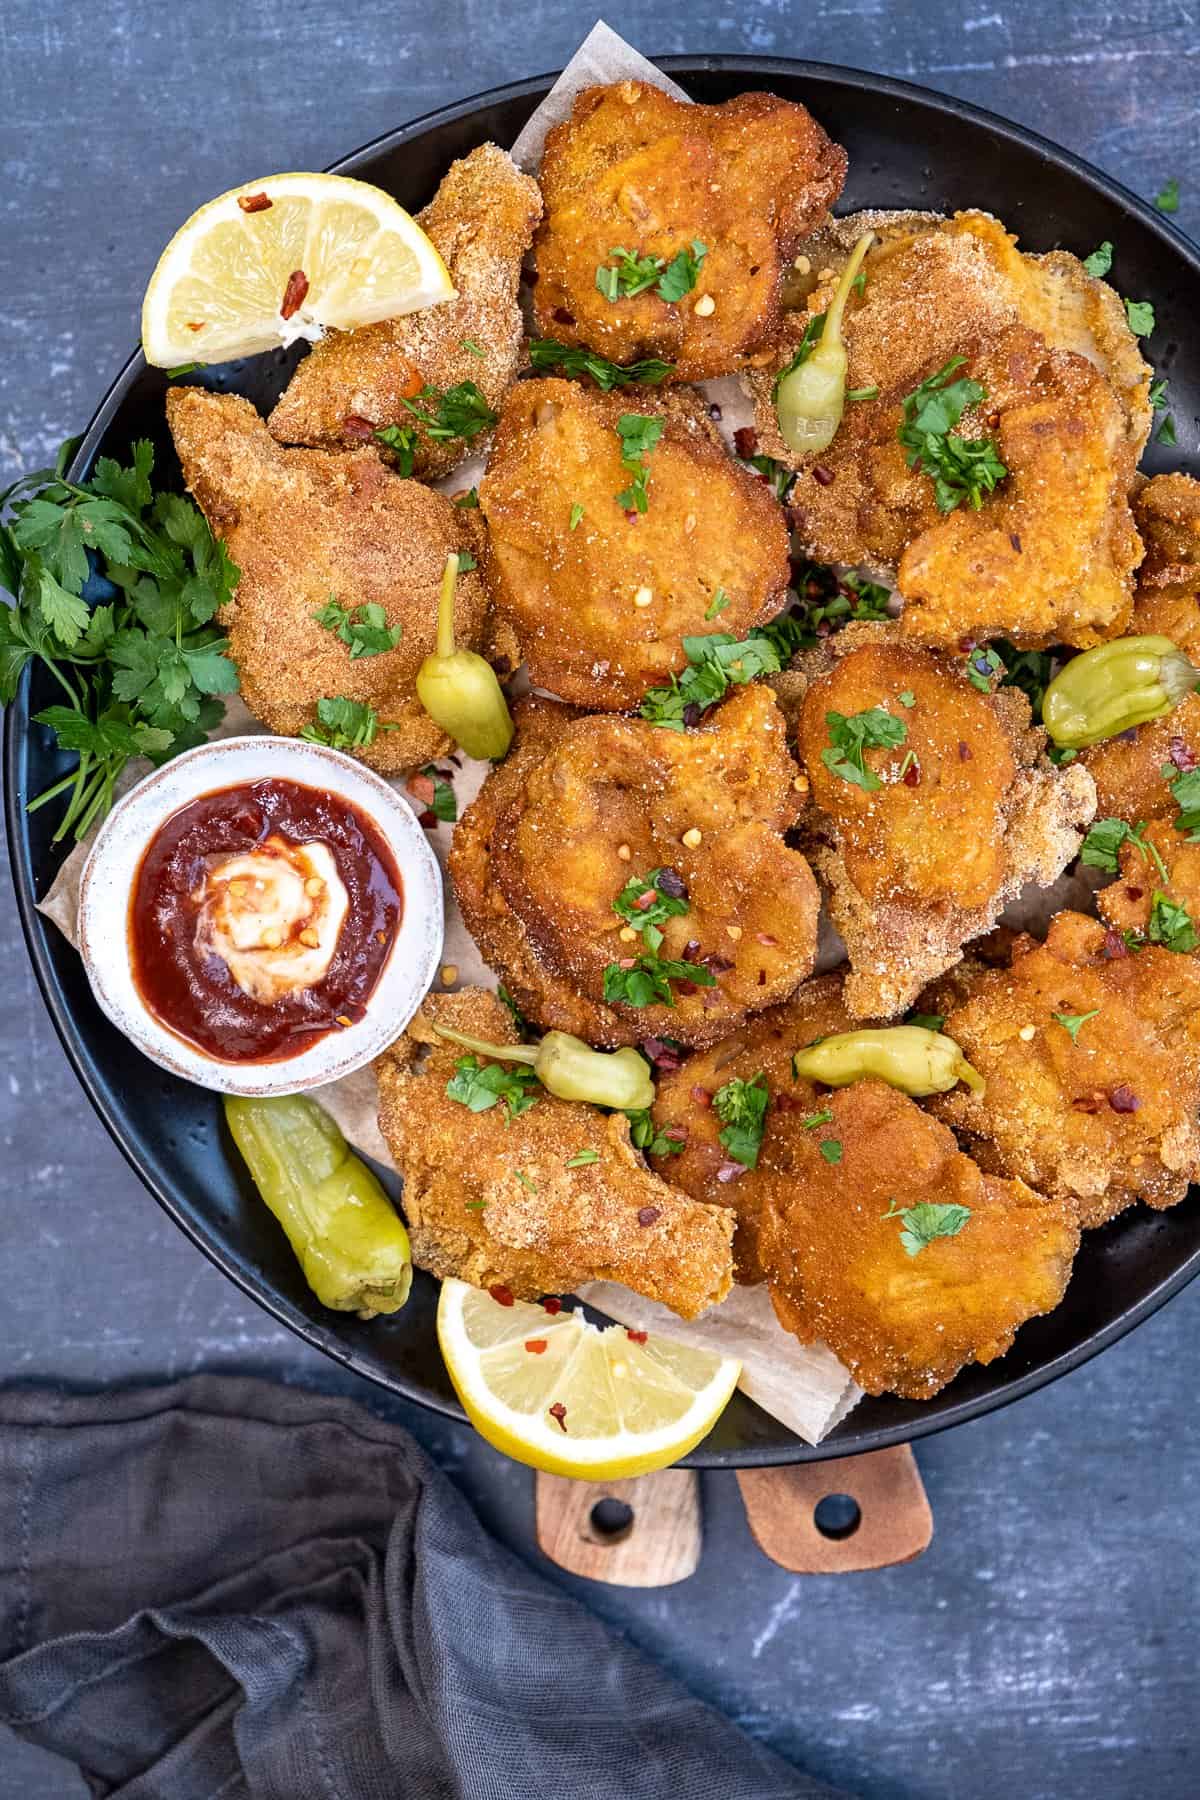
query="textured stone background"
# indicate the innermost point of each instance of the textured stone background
(1045, 1645)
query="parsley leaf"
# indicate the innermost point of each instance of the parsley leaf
(1140, 314)
(681, 273)
(1100, 847)
(652, 1140)
(639, 433)
(470, 500)
(1073, 1023)
(1158, 394)
(926, 1021)
(717, 604)
(1166, 431)
(1167, 198)
(581, 1159)
(1171, 925)
(632, 275)
(812, 1120)
(1029, 670)
(401, 440)
(777, 475)
(718, 661)
(344, 724)
(648, 982)
(364, 628)
(850, 735)
(983, 666)
(831, 1149)
(1185, 791)
(576, 515)
(743, 1107)
(480, 1086)
(439, 414)
(1100, 261)
(961, 468)
(547, 353)
(514, 1012)
(927, 1220)
(443, 805)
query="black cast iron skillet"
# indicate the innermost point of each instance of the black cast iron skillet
(908, 148)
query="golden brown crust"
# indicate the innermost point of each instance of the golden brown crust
(634, 167)
(571, 592)
(1099, 1120)
(304, 526)
(930, 859)
(481, 222)
(492, 1202)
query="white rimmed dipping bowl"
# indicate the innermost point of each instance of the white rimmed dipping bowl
(111, 869)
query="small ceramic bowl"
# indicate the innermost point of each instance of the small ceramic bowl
(112, 866)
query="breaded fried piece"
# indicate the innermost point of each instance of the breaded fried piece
(616, 799)
(633, 167)
(481, 222)
(601, 606)
(810, 1215)
(491, 1201)
(970, 809)
(307, 526)
(1049, 556)
(542, 994)
(1128, 904)
(1100, 1117)
(1128, 770)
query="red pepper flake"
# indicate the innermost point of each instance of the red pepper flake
(676, 1134)
(421, 788)
(823, 475)
(536, 1346)
(293, 294)
(636, 1337)
(745, 442)
(552, 1304)
(255, 202)
(1134, 893)
(762, 978)
(194, 325)
(1123, 1099)
(964, 751)
(631, 515)
(1114, 945)
(663, 1056)
(428, 820)
(720, 965)
(967, 644)
(645, 901)
(355, 426)
(627, 962)
(1015, 540)
(558, 1411)
(912, 775)
(503, 1296)
(648, 1214)
(1181, 755)
(702, 1096)
(764, 937)
(729, 1171)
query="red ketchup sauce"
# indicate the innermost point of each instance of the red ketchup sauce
(188, 985)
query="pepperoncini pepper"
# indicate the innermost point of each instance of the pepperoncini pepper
(459, 689)
(572, 1070)
(810, 398)
(1117, 685)
(908, 1057)
(351, 1244)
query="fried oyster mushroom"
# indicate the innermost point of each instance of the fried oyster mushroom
(481, 221)
(838, 1177)
(306, 527)
(542, 1202)
(923, 841)
(1128, 770)
(601, 595)
(634, 170)
(1048, 557)
(1091, 1054)
(611, 809)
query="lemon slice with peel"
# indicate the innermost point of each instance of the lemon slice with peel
(551, 1390)
(283, 258)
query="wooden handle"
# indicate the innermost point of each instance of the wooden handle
(639, 1533)
(863, 1512)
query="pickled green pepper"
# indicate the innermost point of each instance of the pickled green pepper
(811, 396)
(1105, 691)
(572, 1070)
(908, 1057)
(459, 689)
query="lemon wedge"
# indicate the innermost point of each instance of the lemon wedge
(283, 258)
(553, 1391)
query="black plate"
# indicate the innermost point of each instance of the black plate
(908, 148)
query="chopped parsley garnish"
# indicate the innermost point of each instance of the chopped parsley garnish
(345, 724)
(926, 1021)
(514, 1012)
(1073, 1023)
(471, 347)
(983, 666)
(469, 500)
(804, 349)
(1185, 791)
(633, 274)
(184, 369)
(1167, 197)
(581, 1159)
(1171, 925)
(1104, 839)
(907, 698)
(648, 982)
(525, 1180)
(743, 1107)
(717, 604)
(547, 353)
(867, 393)
(479, 1086)
(456, 412)
(443, 805)
(1029, 670)
(1100, 261)
(831, 1149)
(961, 468)
(139, 671)
(810, 1121)
(827, 599)
(780, 478)
(909, 762)
(1166, 431)
(639, 433)
(364, 628)
(927, 1220)
(648, 904)
(1158, 394)
(681, 273)
(1140, 314)
(653, 1140)
(717, 662)
(576, 515)
(851, 735)
(466, 562)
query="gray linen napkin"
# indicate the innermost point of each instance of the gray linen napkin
(225, 1588)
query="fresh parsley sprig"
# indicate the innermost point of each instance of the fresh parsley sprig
(851, 735)
(648, 981)
(654, 1140)
(927, 1220)
(632, 274)
(743, 1107)
(1185, 791)
(1171, 925)
(345, 724)
(479, 1086)
(716, 663)
(961, 468)
(364, 629)
(440, 415)
(547, 353)
(639, 434)
(116, 588)
(1100, 847)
